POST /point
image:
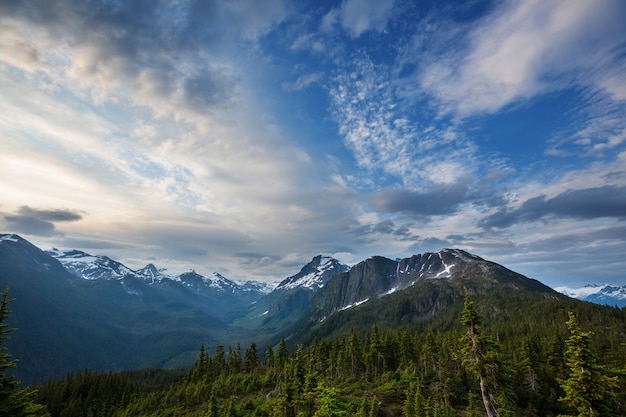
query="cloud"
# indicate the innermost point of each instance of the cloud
(303, 82)
(384, 138)
(591, 203)
(37, 221)
(433, 202)
(153, 55)
(527, 48)
(359, 16)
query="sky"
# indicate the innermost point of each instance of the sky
(246, 137)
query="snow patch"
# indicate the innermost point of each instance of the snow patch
(358, 303)
(8, 238)
(446, 271)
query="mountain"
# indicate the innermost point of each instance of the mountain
(226, 298)
(291, 298)
(100, 316)
(89, 267)
(607, 294)
(75, 310)
(423, 289)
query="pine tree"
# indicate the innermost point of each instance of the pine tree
(14, 401)
(330, 403)
(213, 409)
(479, 358)
(589, 388)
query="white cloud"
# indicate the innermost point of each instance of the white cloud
(524, 49)
(383, 139)
(359, 16)
(303, 82)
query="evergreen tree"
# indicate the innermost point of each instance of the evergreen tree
(478, 356)
(14, 402)
(214, 409)
(589, 388)
(251, 359)
(330, 403)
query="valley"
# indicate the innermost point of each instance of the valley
(381, 331)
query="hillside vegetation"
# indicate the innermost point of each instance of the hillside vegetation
(528, 365)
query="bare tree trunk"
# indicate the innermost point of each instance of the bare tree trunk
(491, 410)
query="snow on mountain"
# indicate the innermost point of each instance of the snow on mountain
(600, 294)
(94, 267)
(9, 238)
(315, 274)
(261, 287)
(153, 275)
(91, 267)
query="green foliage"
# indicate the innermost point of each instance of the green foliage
(589, 388)
(378, 371)
(14, 401)
(480, 358)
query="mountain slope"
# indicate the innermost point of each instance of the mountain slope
(291, 298)
(215, 295)
(68, 323)
(422, 290)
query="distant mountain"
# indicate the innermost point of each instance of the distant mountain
(291, 298)
(104, 316)
(607, 294)
(89, 267)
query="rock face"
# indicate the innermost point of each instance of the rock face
(291, 298)
(378, 277)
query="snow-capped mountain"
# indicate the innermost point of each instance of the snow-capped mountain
(291, 298)
(600, 294)
(215, 282)
(313, 275)
(152, 275)
(255, 286)
(98, 267)
(90, 267)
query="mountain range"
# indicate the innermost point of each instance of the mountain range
(76, 311)
(607, 294)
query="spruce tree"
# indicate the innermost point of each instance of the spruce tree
(588, 388)
(479, 357)
(14, 401)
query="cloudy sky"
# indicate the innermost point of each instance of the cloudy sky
(245, 137)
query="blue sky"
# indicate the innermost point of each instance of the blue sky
(245, 137)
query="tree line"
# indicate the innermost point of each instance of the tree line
(465, 371)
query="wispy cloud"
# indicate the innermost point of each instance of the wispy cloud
(384, 138)
(524, 49)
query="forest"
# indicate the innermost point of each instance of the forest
(475, 369)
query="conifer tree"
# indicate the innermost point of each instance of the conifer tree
(330, 403)
(589, 388)
(14, 402)
(214, 409)
(478, 355)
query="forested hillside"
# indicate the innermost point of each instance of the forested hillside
(522, 369)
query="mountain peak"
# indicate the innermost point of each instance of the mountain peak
(90, 267)
(315, 274)
(10, 237)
